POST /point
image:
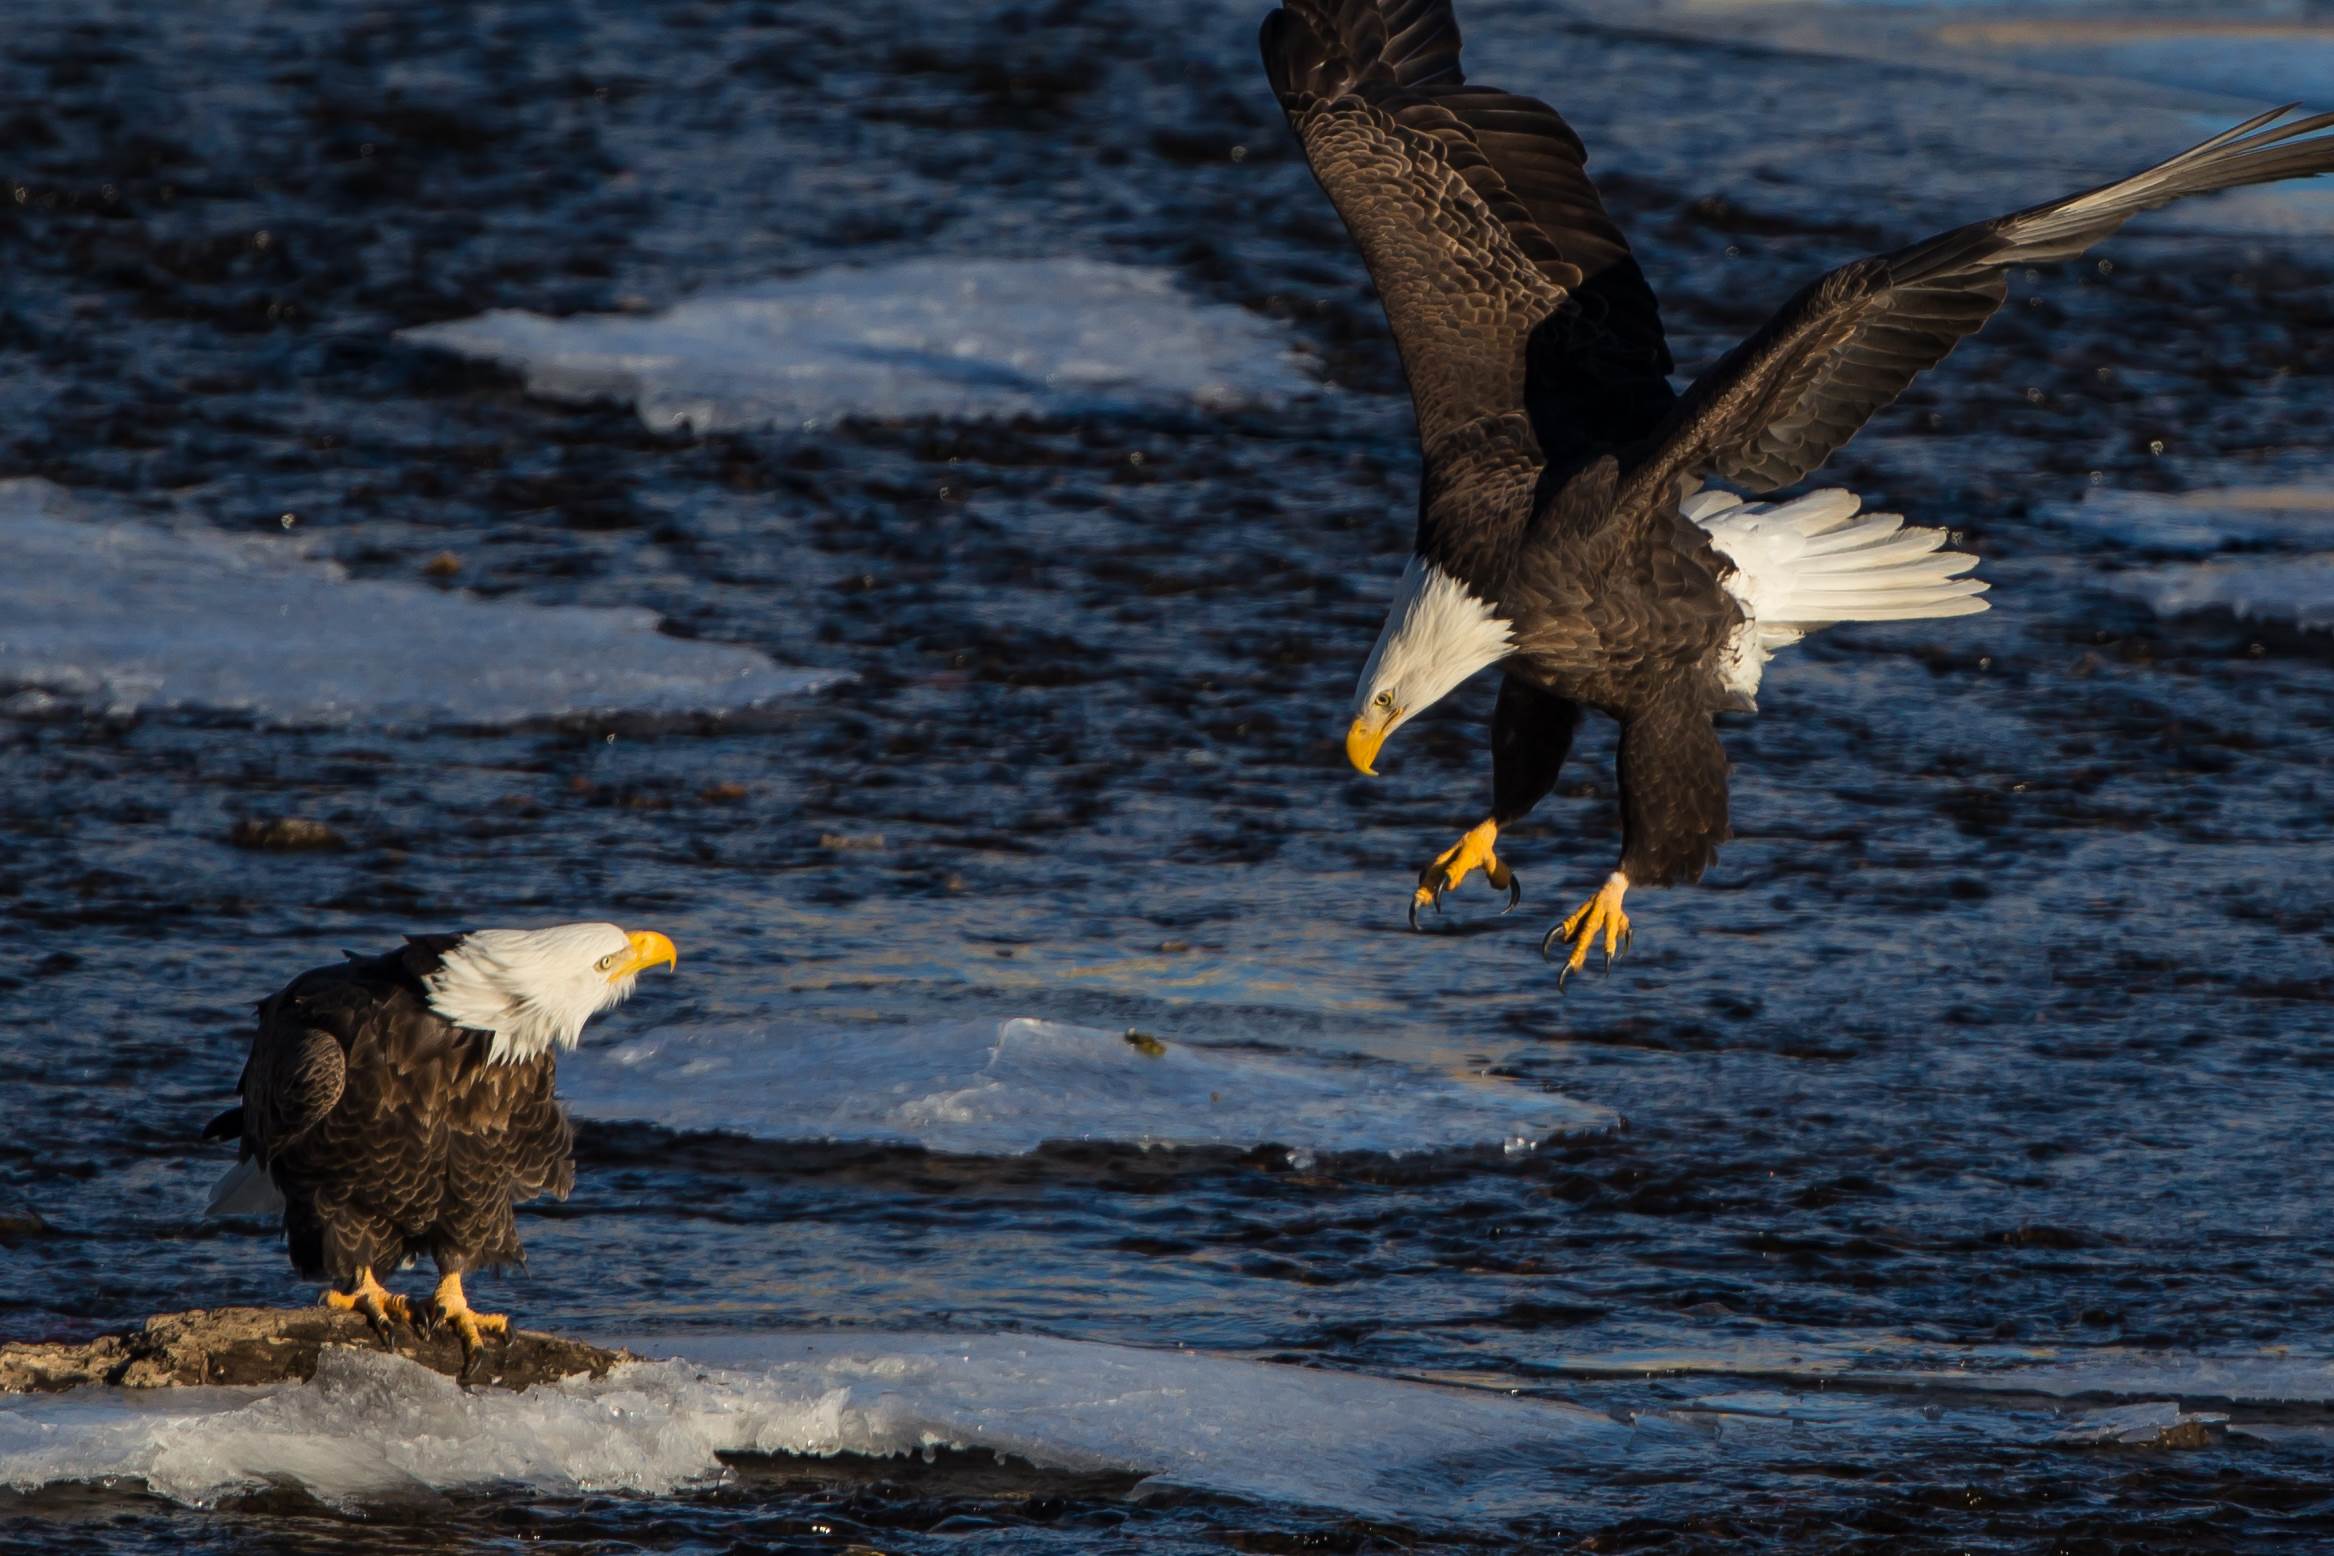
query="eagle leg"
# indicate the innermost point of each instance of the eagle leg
(1600, 914)
(449, 1307)
(1473, 851)
(369, 1297)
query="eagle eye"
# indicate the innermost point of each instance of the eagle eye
(606, 962)
(1383, 700)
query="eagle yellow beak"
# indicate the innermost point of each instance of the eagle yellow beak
(1364, 738)
(649, 949)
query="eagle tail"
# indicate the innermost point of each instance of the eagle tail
(245, 1190)
(1815, 560)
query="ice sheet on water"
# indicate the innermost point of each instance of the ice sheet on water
(2249, 550)
(916, 338)
(2263, 1378)
(2297, 591)
(2243, 49)
(126, 615)
(2204, 523)
(990, 1088)
(372, 1426)
(2148, 1424)
(2260, 52)
(1831, 1359)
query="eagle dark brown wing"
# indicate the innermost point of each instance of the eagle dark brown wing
(1785, 400)
(1508, 286)
(301, 1074)
(364, 1175)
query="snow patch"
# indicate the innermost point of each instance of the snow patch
(371, 1426)
(985, 1088)
(917, 338)
(129, 616)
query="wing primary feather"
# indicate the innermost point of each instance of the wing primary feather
(1775, 408)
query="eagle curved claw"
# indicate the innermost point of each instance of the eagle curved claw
(1601, 913)
(450, 1308)
(1473, 851)
(368, 1296)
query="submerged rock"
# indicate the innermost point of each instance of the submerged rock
(286, 835)
(249, 1345)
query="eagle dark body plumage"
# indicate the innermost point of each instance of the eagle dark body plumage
(1554, 535)
(1628, 621)
(387, 1129)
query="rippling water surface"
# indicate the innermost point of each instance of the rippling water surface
(1944, 1174)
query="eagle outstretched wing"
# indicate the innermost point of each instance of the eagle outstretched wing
(1777, 406)
(1508, 286)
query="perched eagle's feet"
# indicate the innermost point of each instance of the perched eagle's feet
(380, 1305)
(1451, 866)
(1601, 913)
(450, 1309)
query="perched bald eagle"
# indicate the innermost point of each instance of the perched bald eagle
(1563, 530)
(399, 1105)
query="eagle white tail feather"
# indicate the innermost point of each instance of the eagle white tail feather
(1804, 564)
(245, 1190)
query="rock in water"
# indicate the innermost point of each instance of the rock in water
(245, 1345)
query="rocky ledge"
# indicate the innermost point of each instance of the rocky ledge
(246, 1345)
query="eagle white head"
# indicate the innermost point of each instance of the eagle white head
(1437, 634)
(534, 989)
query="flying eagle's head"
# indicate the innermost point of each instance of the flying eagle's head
(1437, 633)
(534, 989)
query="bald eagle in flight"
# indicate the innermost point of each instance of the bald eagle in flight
(399, 1105)
(1564, 532)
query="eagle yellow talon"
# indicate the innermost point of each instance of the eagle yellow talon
(450, 1308)
(1601, 914)
(379, 1304)
(1472, 852)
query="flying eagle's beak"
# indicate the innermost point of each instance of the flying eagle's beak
(1363, 740)
(649, 949)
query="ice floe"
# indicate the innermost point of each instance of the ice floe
(2250, 54)
(2154, 1423)
(124, 615)
(2297, 591)
(932, 337)
(373, 1426)
(2251, 551)
(2261, 58)
(2261, 1378)
(2206, 522)
(991, 1088)
(1899, 1362)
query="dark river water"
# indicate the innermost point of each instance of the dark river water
(1946, 1173)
